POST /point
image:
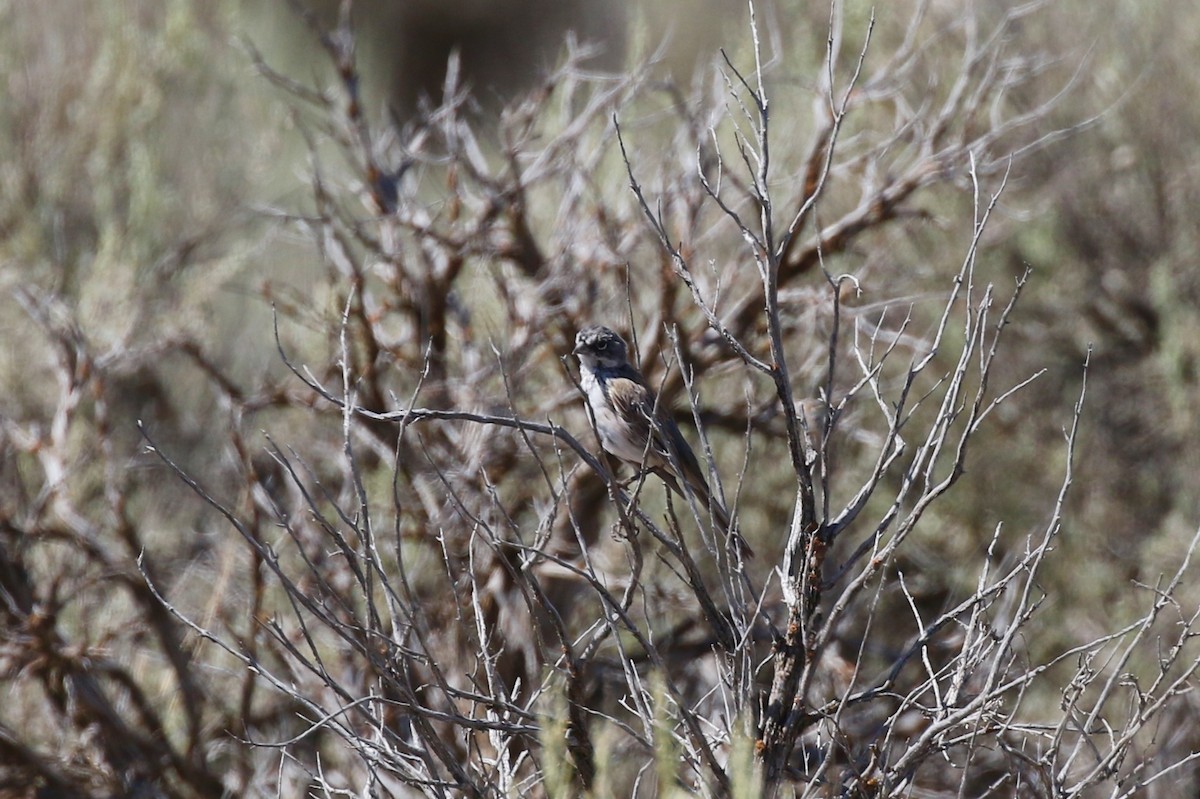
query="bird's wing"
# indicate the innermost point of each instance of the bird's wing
(634, 401)
(633, 404)
(669, 452)
(683, 455)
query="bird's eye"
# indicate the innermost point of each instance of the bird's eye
(602, 345)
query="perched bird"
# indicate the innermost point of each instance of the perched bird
(630, 426)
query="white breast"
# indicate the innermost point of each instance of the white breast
(614, 433)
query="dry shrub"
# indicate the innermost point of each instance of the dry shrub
(425, 578)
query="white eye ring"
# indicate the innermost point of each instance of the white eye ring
(603, 345)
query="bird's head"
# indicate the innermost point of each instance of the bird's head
(599, 347)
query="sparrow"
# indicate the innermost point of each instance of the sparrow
(630, 425)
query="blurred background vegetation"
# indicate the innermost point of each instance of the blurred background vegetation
(144, 160)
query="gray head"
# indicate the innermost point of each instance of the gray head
(599, 347)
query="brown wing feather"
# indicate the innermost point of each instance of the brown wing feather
(669, 451)
(633, 404)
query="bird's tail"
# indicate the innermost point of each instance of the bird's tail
(707, 501)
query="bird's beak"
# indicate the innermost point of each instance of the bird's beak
(578, 347)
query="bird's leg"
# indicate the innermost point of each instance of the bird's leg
(638, 476)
